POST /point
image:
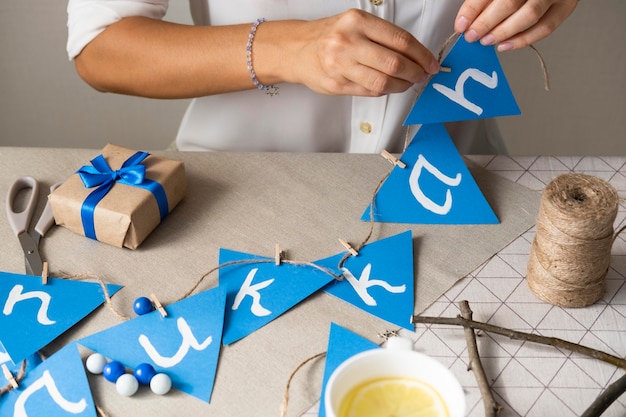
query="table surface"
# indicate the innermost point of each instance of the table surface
(528, 379)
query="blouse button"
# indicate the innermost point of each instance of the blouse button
(366, 127)
(376, 2)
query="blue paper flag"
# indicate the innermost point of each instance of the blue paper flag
(58, 387)
(43, 312)
(185, 344)
(379, 280)
(475, 88)
(259, 292)
(435, 187)
(342, 345)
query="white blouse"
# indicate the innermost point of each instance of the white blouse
(297, 119)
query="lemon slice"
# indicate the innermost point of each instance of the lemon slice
(393, 397)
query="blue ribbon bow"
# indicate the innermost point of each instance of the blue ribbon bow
(100, 175)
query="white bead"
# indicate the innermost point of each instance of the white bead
(160, 384)
(127, 385)
(95, 363)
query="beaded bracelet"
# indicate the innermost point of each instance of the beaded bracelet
(270, 90)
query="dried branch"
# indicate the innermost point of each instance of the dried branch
(517, 335)
(475, 365)
(608, 397)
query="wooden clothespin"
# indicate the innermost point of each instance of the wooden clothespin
(278, 255)
(350, 249)
(44, 273)
(445, 69)
(395, 161)
(158, 305)
(9, 376)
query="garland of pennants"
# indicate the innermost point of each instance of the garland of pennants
(430, 185)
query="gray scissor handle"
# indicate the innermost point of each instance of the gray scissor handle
(47, 218)
(20, 221)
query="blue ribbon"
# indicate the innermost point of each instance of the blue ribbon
(100, 175)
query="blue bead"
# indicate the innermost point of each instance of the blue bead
(113, 370)
(144, 373)
(143, 305)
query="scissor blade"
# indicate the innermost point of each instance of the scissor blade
(31, 254)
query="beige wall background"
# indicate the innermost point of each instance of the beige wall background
(44, 103)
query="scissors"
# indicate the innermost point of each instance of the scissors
(20, 221)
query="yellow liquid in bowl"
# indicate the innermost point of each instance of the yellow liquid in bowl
(393, 397)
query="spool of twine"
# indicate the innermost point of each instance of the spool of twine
(571, 252)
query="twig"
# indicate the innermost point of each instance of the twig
(517, 335)
(608, 397)
(491, 406)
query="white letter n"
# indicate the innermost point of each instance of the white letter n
(458, 94)
(16, 295)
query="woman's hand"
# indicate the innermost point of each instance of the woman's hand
(511, 24)
(357, 53)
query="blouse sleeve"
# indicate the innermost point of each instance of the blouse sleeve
(88, 18)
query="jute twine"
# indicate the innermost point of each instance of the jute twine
(571, 252)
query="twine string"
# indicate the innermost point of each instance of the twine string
(285, 402)
(544, 67)
(372, 220)
(107, 296)
(619, 232)
(571, 252)
(256, 261)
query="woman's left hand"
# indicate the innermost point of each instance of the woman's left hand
(511, 24)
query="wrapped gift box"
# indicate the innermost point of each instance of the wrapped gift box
(120, 197)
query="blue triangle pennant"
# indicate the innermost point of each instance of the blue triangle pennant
(259, 292)
(475, 88)
(42, 311)
(379, 280)
(435, 187)
(57, 387)
(185, 344)
(342, 344)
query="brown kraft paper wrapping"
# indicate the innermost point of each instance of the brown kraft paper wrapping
(127, 214)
